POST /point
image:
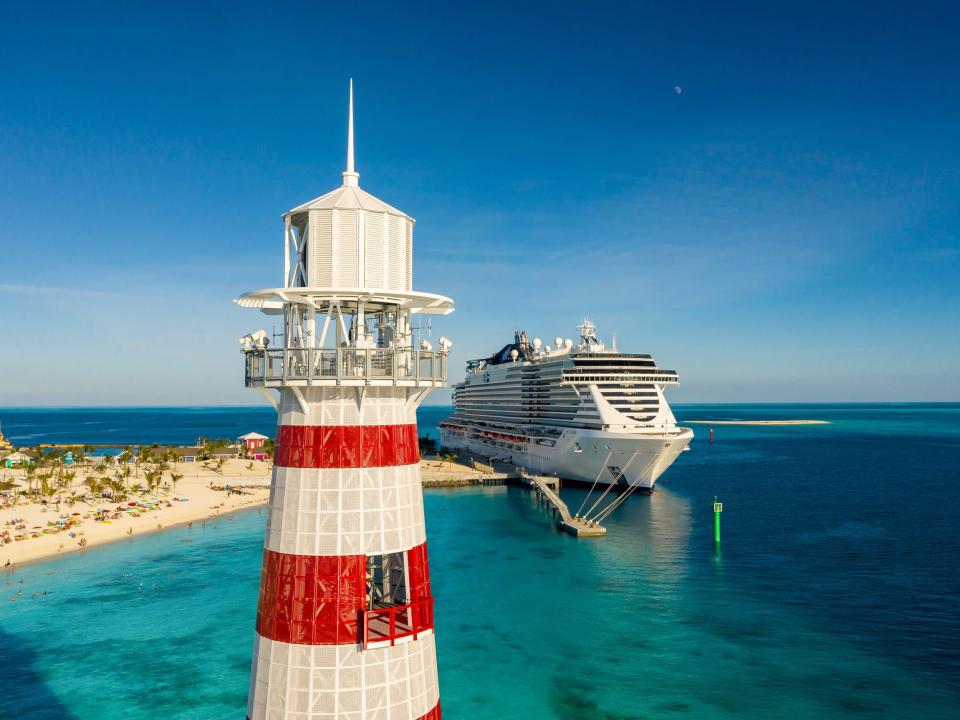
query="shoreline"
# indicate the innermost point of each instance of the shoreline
(107, 542)
(200, 496)
(94, 508)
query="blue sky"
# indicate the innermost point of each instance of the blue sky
(783, 229)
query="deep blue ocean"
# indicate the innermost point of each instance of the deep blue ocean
(835, 594)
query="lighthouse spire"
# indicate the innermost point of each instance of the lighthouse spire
(350, 177)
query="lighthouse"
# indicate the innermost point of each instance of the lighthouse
(344, 625)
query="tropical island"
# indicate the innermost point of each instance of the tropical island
(56, 499)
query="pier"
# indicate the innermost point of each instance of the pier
(547, 489)
(476, 470)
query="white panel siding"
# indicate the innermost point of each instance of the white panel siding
(397, 267)
(409, 255)
(345, 511)
(342, 682)
(374, 237)
(320, 249)
(346, 258)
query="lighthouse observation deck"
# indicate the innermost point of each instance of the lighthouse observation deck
(403, 367)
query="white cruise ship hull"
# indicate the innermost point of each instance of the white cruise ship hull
(579, 455)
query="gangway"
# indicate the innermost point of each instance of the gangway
(548, 488)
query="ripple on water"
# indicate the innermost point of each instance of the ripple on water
(834, 596)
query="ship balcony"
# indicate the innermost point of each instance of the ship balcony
(345, 366)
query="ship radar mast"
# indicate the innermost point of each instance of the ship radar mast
(588, 336)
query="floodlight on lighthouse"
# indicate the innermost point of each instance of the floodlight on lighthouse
(346, 506)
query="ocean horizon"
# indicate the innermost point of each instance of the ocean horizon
(183, 424)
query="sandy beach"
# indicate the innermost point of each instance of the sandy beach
(755, 422)
(75, 527)
(200, 495)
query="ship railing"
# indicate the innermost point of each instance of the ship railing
(390, 624)
(595, 376)
(344, 365)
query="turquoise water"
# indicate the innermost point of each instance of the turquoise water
(834, 594)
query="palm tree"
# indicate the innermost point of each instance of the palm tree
(43, 480)
(30, 471)
(153, 479)
(64, 481)
(46, 489)
(126, 472)
(118, 488)
(139, 489)
(175, 478)
(93, 484)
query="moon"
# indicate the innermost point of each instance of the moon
(677, 89)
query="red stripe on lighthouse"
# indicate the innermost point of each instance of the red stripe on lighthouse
(433, 714)
(346, 446)
(320, 599)
(419, 572)
(311, 600)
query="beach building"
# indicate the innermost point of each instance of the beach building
(252, 441)
(17, 459)
(231, 452)
(344, 626)
(186, 454)
(126, 456)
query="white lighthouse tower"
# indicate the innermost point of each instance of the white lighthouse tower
(344, 626)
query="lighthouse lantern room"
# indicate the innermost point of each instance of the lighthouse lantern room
(344, 627)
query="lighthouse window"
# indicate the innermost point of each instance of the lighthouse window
(386, 580)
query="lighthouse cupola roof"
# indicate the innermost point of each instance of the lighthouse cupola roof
(348, 247)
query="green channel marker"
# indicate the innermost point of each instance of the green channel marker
(717, 509)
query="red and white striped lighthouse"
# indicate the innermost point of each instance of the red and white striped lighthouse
(344, 627)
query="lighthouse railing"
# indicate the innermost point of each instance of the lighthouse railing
(395, 622)
(306, 365)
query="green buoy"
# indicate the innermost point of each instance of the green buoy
(717, 509)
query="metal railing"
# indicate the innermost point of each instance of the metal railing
(579, 375)
(399, 621)
(344, 364)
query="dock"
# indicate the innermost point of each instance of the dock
(477, 470)
(547, 489)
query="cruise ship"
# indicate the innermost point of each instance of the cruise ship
(581, 412)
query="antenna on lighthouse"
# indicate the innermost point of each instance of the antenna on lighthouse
(350, 177)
